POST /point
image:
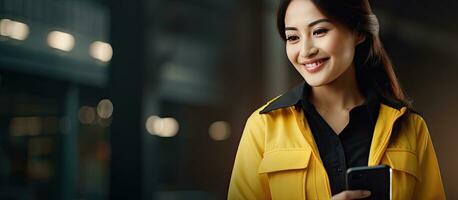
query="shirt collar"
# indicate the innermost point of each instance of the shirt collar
(299, 94)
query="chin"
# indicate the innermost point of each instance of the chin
(315, 81)
(315, 84)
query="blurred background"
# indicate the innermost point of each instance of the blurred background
(147, 99)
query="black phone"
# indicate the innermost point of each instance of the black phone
(376, 179)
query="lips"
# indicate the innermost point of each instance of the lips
(313, 66)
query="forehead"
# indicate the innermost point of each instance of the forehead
(302, 12)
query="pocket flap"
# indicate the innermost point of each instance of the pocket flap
(280, 160)
(403, 160)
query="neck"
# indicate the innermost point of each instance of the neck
(341, 94)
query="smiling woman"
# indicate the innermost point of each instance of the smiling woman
(350, 111)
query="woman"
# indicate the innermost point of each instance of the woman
(350, 111)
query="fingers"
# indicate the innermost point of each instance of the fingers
(351, 194)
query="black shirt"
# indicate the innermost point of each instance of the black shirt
(348, 149)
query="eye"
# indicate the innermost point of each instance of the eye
(292, 38)
(320, 32)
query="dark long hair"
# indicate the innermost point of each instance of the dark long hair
(374, 70)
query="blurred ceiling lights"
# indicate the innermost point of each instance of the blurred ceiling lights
(101, 51)
(60, 40)
(14, 29)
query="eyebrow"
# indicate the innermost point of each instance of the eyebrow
(310, 25)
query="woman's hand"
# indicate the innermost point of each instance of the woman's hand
(351, 194)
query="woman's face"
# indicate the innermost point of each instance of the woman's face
(320, 49)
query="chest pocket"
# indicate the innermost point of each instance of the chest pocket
(286, 170)
(405, 172)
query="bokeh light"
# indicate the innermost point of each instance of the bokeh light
(105, 109)
(60, 40)
(101, 51)
(14, 29)
(219, 130)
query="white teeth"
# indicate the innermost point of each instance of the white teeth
(313, 64)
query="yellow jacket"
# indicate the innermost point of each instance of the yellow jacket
(277, 157)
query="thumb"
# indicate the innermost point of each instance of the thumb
(351, 194)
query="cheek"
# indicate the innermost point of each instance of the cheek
(342, 49)
(291, 53)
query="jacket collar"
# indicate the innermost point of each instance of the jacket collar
(294, 96)
(288, 99)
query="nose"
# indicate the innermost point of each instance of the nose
(308, 49)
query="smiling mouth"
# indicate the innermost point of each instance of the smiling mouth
(315, 66)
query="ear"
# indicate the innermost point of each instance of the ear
(360, 38)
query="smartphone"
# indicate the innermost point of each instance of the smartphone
(377, 179)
